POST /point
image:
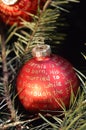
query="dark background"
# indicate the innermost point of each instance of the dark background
(76, 36)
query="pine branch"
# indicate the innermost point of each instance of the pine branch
(7, 98)
(75, 118)
(5, 78)
(43, 28)
(9, 124)
(38, 23)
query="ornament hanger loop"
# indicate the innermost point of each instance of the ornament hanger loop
(9, 2)
(41, 50)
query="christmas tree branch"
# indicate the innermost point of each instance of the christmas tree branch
(43, 28)
(47, 4)
(6, 97)
(17, 123)
(38, 23)
(5, 77)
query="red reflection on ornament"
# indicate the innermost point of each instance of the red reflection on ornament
(46, 84)
(11, 14)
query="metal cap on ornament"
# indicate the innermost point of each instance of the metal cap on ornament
(9, 2)
(41, 51)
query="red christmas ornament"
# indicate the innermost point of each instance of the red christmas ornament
(11, 10)
(45, 81)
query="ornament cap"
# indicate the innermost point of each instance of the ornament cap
(41, 51)
(9, 2)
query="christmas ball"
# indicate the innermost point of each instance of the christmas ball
(12, 10)
(45, 82)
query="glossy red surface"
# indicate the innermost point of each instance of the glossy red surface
(46, 84)
(10, 13)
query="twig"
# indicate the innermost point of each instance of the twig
(16, 123)
(13, 124)
(5, 78)
(47, 4)
(38, 23)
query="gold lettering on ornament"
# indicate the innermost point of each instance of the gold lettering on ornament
(51, 65)
(58, 84)
(38, 66)
(56, 77)
(54, 72)
(57, 92)
(40, 94)
(39, 71)
(51, 85)
(37, 94)
(47, 78)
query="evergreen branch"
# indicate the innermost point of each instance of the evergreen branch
(5, 76)
(82, 127)
(75, 120)
(75, 116)
(43, 28)
(81, 74)
(73, 1)
(83, 55)
(51, 124)
(5, 80)
(12, 124)
(46, 4)
(38, 23)
(9, 124)
(10, 33)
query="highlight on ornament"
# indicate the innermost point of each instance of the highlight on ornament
(45, 82)
(12, 10)
(9, 2)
